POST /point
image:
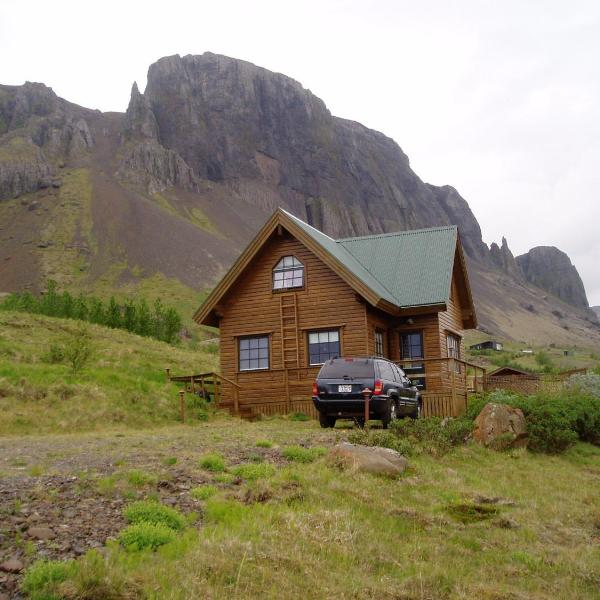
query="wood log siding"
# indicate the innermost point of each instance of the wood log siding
(324, 302)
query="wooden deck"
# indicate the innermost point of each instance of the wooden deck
(454, 380)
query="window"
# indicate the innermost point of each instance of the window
(454, 349)
(323, 345)
(379, 342)
(288, 273)
(411, 345)
(254, 353)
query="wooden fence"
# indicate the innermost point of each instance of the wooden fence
(530, 383)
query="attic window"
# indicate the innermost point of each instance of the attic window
(288, 273)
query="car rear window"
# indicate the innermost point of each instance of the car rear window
(340, 367)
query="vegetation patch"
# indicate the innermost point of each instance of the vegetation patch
(203, 492)
(43, 577)
(301, 454)
(255, 471)
(471, 513)
(144, 535)
(212, 462)
(146, 511)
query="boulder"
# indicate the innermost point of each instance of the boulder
(369, 459)
(500, 426)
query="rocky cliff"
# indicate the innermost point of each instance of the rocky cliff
(176, 186)
(551, 269)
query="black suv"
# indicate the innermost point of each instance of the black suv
(337, 391)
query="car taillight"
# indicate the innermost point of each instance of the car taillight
(315, 389)
(378, 387)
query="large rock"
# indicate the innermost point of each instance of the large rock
(552, 270)
(369, 459)
(501, 426)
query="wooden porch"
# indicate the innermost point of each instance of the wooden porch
(445, 384)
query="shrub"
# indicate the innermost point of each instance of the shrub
(140, 536)
(299, 416)
(79, 349)
(203, 492)
(432, 434)
(264, 444)
(584, 384)
(255, 471)
(303, 455)
(146, 511)
(54, 355)
(42, 578)
(213, 462)
(139, 478)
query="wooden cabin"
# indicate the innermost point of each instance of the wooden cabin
(296, 297)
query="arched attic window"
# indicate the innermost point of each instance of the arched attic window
(288, 273)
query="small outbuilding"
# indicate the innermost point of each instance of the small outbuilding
(487, 345)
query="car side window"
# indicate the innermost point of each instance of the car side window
(397, 373)
(385, 370)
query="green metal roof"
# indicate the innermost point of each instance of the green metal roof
(408, 268)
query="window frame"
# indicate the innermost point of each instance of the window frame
(450, 335)
(327, 330)
(242, 338)
(417, 375)
(283, 269)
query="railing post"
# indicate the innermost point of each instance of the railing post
(182, 405)
(168, 371)
(216, 386)
(286, 379)
(236, 401)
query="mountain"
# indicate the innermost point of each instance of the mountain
(596, 309)
(161, 199)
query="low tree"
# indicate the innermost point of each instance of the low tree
(79, 348)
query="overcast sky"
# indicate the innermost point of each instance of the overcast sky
(499, 99)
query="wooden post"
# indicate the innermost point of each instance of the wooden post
(236, 401)
(168, 374)
(453, 384)
(182, 405)
(216, 386)
(202, 387)
(192, 384)
(367, 396)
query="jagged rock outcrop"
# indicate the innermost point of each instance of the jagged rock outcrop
(38, 131)
(551, 269)
(504, 259)
(146, 161)
(596, 309)
(275, 143)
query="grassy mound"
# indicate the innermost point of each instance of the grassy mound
(122, 383)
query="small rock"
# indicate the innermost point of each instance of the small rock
(369, 459)
(78, 550)
(41, 533)
(12, 565)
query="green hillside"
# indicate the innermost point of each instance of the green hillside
(122, 383)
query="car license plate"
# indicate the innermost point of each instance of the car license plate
(344, 388)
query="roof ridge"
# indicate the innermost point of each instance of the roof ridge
(394, 233)
(289, 214)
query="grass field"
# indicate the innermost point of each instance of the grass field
(265, 513)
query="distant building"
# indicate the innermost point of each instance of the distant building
(487, 345)
(510, 372)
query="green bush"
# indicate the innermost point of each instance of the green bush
(146, 511)
(554, 422)
(138, 478)
(143, 535)
(213, 462)
(432, 434)
(79, 349)
(42, 578)
(264, 444)
(254, 471)
(299, 416)
(303, 455)
(203, 492)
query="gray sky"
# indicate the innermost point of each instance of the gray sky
(499, 99)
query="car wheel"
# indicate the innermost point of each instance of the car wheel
(326, 421)
(391, 416)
